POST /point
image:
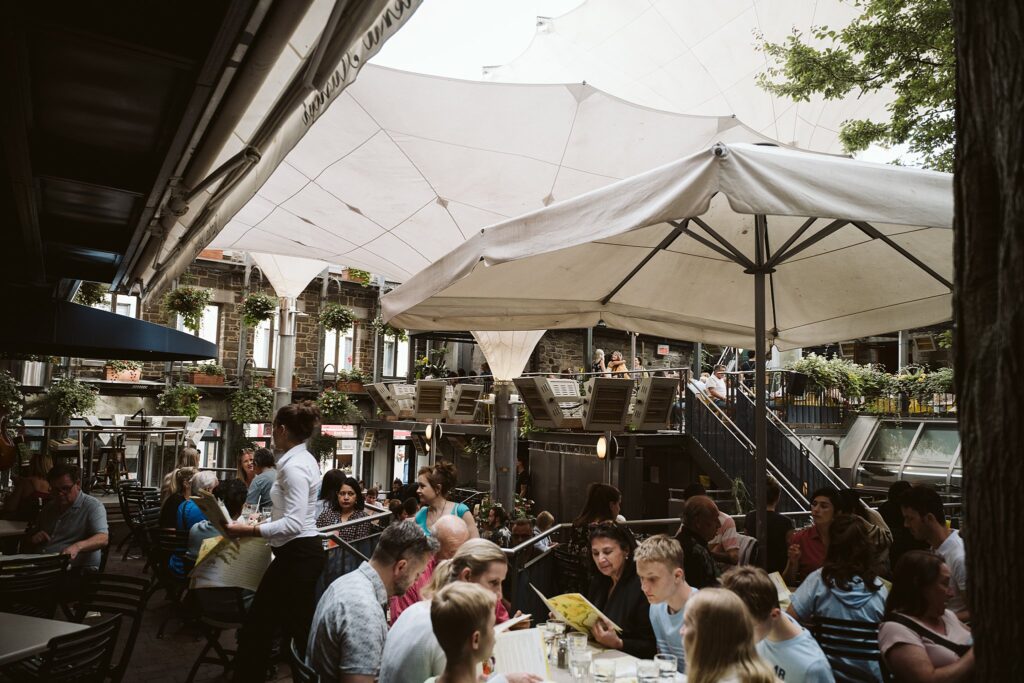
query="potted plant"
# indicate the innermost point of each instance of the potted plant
(90, 294)
(181, 399)
(350, 380)
(251, 405)
(11, 398)
(336, 408)
(323, 446)
(337, 317)
(387, 331)
(258, 307)
(188, 302)
(356, 275)
(208, 374)
(122, 371)
(69, 398)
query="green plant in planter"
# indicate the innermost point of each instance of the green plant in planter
(211, 369)
(433, 365)
(124, 365)
(939, 382)
(337, 317)
(12, 401)
(336, 407)
(387, 331)
(252, 405)
(258, 307)
(188, 302)
(323, 446)
(69, 398)
(90, 294)
(360, 276)
(353, 375)
(180, 399)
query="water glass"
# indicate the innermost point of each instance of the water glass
(579, 664)
(577, 641)
(666, 666)
(603, 670)
(648, 671)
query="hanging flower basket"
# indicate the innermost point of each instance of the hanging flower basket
(336, 408)
(337, 317)
(180, 399)
(252, 405)
(122, 371)
(189, 303)
(70, 398)
(258, 307)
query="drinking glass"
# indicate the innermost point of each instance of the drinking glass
(603, 670)
(577, 641)
(579, 664)
(666, 666)
(648, 671)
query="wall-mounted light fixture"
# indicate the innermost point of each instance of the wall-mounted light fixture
(607, 446)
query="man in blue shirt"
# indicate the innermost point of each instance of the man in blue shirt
(659, 564)
(782, 642)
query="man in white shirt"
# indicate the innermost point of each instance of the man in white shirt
(716, 386)
(924, 515)
(782, 642)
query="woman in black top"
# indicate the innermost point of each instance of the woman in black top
(617, 593)
(179, 492)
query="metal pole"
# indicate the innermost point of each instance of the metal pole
(285, 354)
(904, 350)
(632, 351)
(760, 409)
(503, 447)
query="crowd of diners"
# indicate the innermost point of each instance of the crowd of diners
(426, 602)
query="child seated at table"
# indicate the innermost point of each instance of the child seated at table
(462, 616)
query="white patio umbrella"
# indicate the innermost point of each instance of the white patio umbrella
(837, 248)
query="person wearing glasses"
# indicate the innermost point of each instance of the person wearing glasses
(72, 523)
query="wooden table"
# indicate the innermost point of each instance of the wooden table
(26, 636)
(12, 528)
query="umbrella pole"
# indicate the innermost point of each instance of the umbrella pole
(760, 399)
(504, 441)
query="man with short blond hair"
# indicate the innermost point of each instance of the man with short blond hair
(659, 564)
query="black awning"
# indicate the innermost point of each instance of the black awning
(60, 328)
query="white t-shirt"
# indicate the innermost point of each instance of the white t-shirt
(714, 383)
(952, 553)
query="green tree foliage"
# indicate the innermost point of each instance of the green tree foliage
(905, 46)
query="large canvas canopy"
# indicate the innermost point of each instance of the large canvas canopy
(849, 248)
(402, 168)
(694, 57)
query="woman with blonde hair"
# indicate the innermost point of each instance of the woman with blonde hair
(177, 485)
(718, 637)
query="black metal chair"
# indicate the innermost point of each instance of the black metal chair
(163, 543)
(139, 503)
(108, 594)
(843, 639)
(82, 657)
(218, 610)
(300, 672)
(32, 586)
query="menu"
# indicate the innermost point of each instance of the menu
(575, 610)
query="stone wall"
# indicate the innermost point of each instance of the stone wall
(565, 349)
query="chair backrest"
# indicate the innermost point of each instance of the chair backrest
(843, 639)
(116, 594)
(163, 544)
(31, 585)
(300, 672)
(748, 549)
(81, 657)
(221, 608)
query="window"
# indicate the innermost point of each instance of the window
(264, 344)
(122, 304)
(396, 358)
(209, 326)
(338, 349)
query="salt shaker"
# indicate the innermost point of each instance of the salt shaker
(563, 653)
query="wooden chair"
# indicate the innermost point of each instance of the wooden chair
(300, 672)
(843, 639)
(82, 657)
(32, 586)
(110, 594)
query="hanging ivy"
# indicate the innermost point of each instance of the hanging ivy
(180, 399)
(385, 330)
(189, 303)
(337, 317)
(91, 294)
(252, 405)
(258, 307)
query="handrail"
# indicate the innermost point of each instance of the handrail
(812, 458)
(362, 520)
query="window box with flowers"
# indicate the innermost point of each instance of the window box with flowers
(350, 380)
(122, 371)
(206, 374)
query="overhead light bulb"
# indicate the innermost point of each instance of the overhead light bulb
(429, 431)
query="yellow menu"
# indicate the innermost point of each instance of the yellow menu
(575, 610)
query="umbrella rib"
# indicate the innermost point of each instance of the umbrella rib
(664, 244)
(788, 243)
(771, 277)
(875, 233)
(809, 242)
(737, 255)
(705, 241)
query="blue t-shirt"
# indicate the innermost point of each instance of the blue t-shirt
(188, 516)
(421, 516)
(798, 659)
(666, 631)
(857, 603)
